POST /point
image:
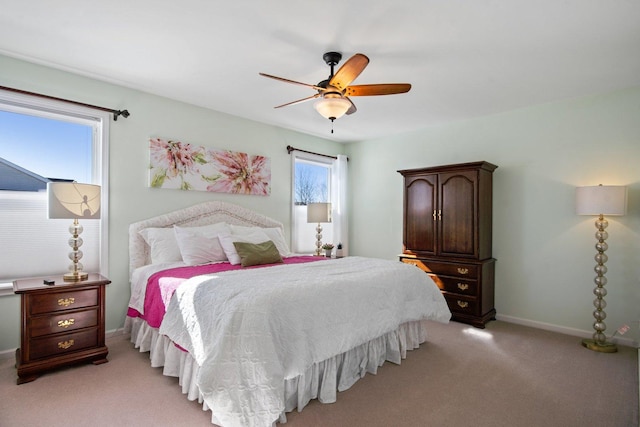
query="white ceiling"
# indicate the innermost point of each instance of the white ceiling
(464, 58)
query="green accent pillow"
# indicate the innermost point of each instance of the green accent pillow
(257, 253)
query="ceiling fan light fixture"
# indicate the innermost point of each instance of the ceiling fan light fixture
(332, 106)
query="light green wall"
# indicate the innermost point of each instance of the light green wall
(130, 199)
(545, 252)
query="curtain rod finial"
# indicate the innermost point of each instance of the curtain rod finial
(123, 113)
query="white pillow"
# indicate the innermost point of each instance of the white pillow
(275, 234)
(163, 244)
(200, 245)
(227, 239)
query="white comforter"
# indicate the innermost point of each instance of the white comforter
(250, 330)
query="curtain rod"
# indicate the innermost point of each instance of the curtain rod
(290, 149)
(116, 113)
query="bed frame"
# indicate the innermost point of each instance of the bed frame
(202, 214)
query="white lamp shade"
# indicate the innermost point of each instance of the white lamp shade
(72, 200)
(331, 107)
(319, 212)
(601, 200)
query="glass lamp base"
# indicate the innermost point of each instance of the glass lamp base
(75, 276)
(605, 347)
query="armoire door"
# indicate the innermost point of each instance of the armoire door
(420, 198)
(457, 214)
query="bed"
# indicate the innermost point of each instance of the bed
(253, 342)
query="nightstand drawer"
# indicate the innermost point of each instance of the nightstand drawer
(461, 304)
(58, 301)
(61, 344)
(70, 321)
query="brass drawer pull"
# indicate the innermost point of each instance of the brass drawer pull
(463, 270)
(434, 214)
(462, 304)
(463, 286)
(66, 344)
(66, 302)
(66, 323)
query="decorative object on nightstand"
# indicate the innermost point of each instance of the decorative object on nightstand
(72, 200)
(318, 213)
(62, 324)
(339, 253)
(328, 248)
(601, 200)
(447, 234)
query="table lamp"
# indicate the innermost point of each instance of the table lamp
(318, 213)
(71, 200)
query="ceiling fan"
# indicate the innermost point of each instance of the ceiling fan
(334, 92)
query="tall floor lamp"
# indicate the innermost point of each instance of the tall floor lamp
(71, 200)
(318, 213)
(601, 200)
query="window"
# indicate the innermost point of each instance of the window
(42, 141)
(311, 183)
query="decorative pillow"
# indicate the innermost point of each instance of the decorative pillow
(275, 234)
(227, 239)
(200, 245)
(163, 244)
(257, 253)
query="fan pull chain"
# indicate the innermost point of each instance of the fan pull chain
(332, 119)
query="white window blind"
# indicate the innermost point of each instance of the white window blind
(33, 245)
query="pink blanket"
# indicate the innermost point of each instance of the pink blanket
(162, 285)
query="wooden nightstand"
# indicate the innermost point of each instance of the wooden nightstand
(62, 324)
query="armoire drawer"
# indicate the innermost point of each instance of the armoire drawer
(461, 304)
(444, 268)
(456, 285)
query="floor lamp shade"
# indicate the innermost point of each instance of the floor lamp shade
(318, 213)
(601, 200)
(72, 200)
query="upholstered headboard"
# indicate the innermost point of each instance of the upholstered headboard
(193, 216)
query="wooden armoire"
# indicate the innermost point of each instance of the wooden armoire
(447, 233)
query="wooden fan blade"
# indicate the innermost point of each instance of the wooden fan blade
(349, 71)
(377, 89)
(291, 81)
(309, 98)
(351, 109)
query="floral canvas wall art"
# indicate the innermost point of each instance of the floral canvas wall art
(183, 166)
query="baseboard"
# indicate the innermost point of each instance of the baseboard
(8, 354)
(113, 332)
(562, 329)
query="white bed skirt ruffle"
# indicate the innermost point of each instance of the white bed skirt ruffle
(321, 381)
